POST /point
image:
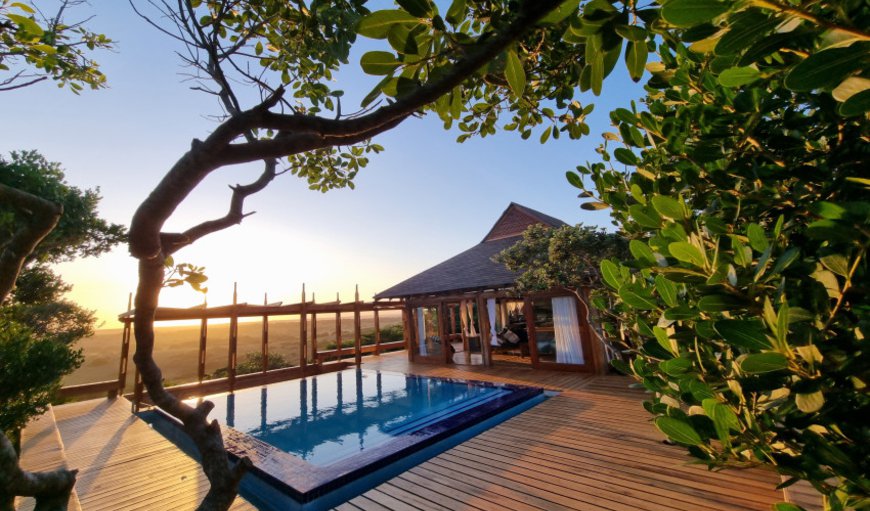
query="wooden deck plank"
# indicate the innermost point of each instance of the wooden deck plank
(124, 464)
(590, 447)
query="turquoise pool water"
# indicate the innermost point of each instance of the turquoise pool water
(325, 418)
(319, 441)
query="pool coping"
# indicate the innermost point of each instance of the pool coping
(305, 482)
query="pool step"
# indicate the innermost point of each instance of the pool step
(42, 450)
(441, 413)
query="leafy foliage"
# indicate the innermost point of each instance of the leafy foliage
(743, 301)
(30, 370)
(36, 47)
(80, 232)
(565, 256)
(35, 357)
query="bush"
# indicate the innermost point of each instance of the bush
(30, 372)
(744, 302)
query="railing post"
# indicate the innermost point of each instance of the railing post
(125, 350)
(303, 334)
(377, 332)
(234, 338)
(314, 332)
(138, 390)
(357, 324)
(203, 340)
(264, 347)
(337, 326)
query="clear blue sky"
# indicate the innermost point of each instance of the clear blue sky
(423, 200)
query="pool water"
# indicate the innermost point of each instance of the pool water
(329, 417)
(319, 441)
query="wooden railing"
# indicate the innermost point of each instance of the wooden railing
(311, 361)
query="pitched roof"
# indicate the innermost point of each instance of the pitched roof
(474, 268)
(516, 219)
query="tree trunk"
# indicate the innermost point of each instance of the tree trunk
(52, 490)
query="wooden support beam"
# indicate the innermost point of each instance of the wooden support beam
(125, 349)
(357, 326)
(303, 334)
(264, 346)
(377, 333)
(232, 352)
(485, 330)
(203, 340)
(338, 327)
(410, 330)
(314, 331)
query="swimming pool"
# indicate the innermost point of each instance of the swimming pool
(319, 440)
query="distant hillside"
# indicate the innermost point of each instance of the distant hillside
(176, 347)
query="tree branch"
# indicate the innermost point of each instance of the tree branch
(39, 217)
(51, 489)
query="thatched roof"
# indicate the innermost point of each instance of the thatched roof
(474, 269)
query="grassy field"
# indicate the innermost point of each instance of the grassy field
(176, 347)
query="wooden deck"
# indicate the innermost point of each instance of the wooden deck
(591, 447)
(122, 462)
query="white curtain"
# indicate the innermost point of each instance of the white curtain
(421, 332)
(493, 332)
(568, 348)
(469, 308)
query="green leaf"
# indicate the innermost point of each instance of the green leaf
(378, 63)
(663, 340)
(456, 12)
(377, 24)
(826, 69)
(748, 334)
(636, 54)
(738, 76)
(767, 362)
(784, 261)
(837, 263)
(27, 24)
(625, 156)
(669, 207)
(723, 417)
(558, 14)
(632, 33)
(645, 216)
(667, 290)
(681, 313)
(515, 74)
(757, 239)
(687, 253)
(688, 13)
(418, 8)
(744, 29)
(642, 252)
(675, 366)
(678, 430)
(635, 299)
(857, 104)
(809, 403)
(787, 506)
(718, 303)
(574, 179)
(610, 273)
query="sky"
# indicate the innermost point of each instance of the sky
(423, 200)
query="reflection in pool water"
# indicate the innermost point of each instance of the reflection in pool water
(329, 417)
